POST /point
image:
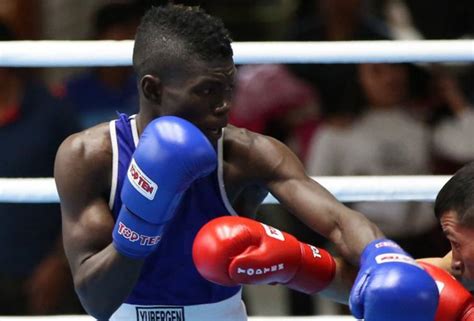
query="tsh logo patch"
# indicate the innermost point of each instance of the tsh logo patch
(160, 313)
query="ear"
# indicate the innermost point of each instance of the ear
(152, 88)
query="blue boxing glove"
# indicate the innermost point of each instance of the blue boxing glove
(171, 154)
(391, 286)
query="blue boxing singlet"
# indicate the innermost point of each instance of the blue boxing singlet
(168, 276)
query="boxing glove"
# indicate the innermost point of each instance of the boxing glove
(455, 302)
(391, 286)
(171, 154)
(232, 250)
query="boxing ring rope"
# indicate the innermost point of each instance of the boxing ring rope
(51, 53)
(344, 188)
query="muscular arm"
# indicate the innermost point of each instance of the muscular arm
(102, 277)
(284, 176)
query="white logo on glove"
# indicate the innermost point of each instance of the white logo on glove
(273, 232)
(315, 250)
(261, 271)
(142, 183)
(395, 257)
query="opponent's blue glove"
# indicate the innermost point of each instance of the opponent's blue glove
(391, 286)
(171, 154)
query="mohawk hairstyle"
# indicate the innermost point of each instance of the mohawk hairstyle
(173, 33)
(458, 195)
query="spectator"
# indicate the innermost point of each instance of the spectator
(328, 144)
(99, 93)
(335, 20)
(452, 135)
(385, 140)
(34, 274)
(269, 99)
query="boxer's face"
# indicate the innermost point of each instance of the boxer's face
(462, 245)
(202, 96)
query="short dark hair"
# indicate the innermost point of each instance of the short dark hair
(173, 34)
(458, 195)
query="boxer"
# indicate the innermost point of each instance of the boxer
(135, 192)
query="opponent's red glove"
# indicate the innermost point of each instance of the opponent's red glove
(233, 250)
(455, 302)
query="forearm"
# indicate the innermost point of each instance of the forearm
(348, 230)
(352, 233)
(104, 281)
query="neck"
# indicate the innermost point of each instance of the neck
(143, 118)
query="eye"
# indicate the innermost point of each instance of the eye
(206, 91)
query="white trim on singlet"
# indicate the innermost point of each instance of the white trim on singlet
(220, 174)
(133, 124)
(115, 159)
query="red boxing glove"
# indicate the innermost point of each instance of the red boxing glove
(455, 302)
(232, 250)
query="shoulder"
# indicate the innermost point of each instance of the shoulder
(85, 156)
(90, 143)
(255, 154)
(249, 145)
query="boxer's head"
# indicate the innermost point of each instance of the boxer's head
(183, 58)
(454, 208)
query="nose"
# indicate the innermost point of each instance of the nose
(223, 109)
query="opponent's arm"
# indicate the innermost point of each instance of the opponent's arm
(102, 277)
(282, 173)
(441, 262)
(455, 302)
(232, 250)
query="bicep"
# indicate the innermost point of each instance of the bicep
(87, 222)
(86, 232)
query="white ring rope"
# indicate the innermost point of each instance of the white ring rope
(54, 53)
(344, 188)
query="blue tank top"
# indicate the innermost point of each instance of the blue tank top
(168, 276)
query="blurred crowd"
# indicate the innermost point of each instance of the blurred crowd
(346, 119)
